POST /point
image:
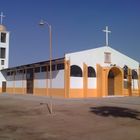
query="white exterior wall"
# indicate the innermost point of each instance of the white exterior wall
(40, 80)
(57, 79)
(6, 46)
(92, 83)
(79, 82)
(134, 84)
(6, 59)
(2, 78)
(40, 83)
(10, 82)
(76, 82)
(19, 82)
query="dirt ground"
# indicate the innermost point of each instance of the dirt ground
(26, 117)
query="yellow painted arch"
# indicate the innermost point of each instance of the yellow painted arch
(115, 84)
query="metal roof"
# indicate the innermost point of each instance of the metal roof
(37, 64)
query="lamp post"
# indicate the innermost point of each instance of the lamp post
(42, 23)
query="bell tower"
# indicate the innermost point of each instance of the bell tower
(4, 45)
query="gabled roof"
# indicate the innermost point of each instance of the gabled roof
(104, 48)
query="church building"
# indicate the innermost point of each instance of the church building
(96, 72)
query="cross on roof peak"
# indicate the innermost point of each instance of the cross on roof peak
(1, 17)
(107, 32)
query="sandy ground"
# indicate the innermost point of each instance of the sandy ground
(24, 117)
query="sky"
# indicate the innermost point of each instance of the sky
(76, 25)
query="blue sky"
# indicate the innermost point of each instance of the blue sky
(76, 25)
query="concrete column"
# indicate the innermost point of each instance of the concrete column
(85, 80)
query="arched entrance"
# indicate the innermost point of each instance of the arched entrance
(115, 81)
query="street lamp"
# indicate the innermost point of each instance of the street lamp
(42, 23)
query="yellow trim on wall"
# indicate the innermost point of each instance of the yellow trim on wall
(85, 80)
(23, 81)
(139, 81)
(67, 78)
(35, 82)
(14, 83)
(47, 82)
(105, 81)
(0, 90)
(19, 90)
(92, 93)
(39, 91)
(16, 90)
(129, 78)
(54, 92)
(99, 80)
(76, 93)
(125, 92)
(135, 92)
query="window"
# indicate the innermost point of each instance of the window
(37, 69)
(60, 66)
(2, 62)
(125, 71)
(8, 73)
(21, 71)
(43, 68)
(3, 37)
(53, 68)
(75, 71)
(134, 74)
(13, 72)
(107, 57)
(2, 52)
(91, 72)
(24, 71)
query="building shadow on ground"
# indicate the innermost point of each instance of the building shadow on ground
(107, 111)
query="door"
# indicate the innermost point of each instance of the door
(3, 86)
(110, 86)
(30, 81)
(115, 81)
(30, 86)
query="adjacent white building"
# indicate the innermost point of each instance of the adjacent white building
(4, 52)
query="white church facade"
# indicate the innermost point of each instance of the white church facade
(96, 72)
(104, 72)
